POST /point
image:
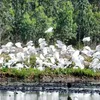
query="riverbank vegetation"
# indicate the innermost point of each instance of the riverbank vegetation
(33, 74)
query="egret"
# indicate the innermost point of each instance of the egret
(94, 63)
(59, 44)
(98, 48)
(52, 47)
(40, 68)
(7, 48)
(19, 66)
(30, 43)
(87, 51)
(18, 45)
(1, 60)
(76, 59)
(42, 57)
(41, 40)
(52, 59)
(20, 56)
(49, 30)
(31, 50)
(86, 40)
(63, 49)
(45, 51)
(42, 43)
(70, 49)
(56, 55)
(96, 55)
(9, 44)
(12, 56)
(40, 63)
(1, 51)
(75, 98)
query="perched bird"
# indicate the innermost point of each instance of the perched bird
(42, 42)
(18, 45)
(19, 66)
(78, 59)
(87, 51)
(30, 43)
(9, 44)
(7, 48)
(1, 60)
(86, 39)
(96, 55)
(98, 48)
(49, 30)
(75, 98)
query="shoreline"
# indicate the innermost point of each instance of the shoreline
(51, 87)
(75, 84)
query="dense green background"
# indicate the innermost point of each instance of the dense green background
(24, 20)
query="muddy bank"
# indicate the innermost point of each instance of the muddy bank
(6, 78)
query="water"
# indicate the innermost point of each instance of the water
(18, 95)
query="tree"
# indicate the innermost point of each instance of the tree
(66, 27)
(85, 20)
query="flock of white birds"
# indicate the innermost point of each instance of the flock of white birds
(54, 56)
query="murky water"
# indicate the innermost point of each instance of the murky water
(18, 95)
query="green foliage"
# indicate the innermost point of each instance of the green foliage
(85, 19)
(24, 20)
(66, 28)
(35, 74)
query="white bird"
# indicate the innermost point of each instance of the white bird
(86, 39)
(98, 48)
(52, 47)
(12, 56)
(39, 62)
(1, 50)
(9, 44)
(96, 55)
(19, 66)
(75, 98)
(77, 60)
(20, 56)
(7, 48)
(30, 43)
(59, 44)
(1, 60)
(94, 63)
(49, 30)
(42, 57)
(56, 55)
(18, 45)
(31, 50)
(87, 51)
(52, 59)
(42, 42)
(45, 51)
(70, 49)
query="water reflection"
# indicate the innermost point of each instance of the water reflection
(18, 95)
